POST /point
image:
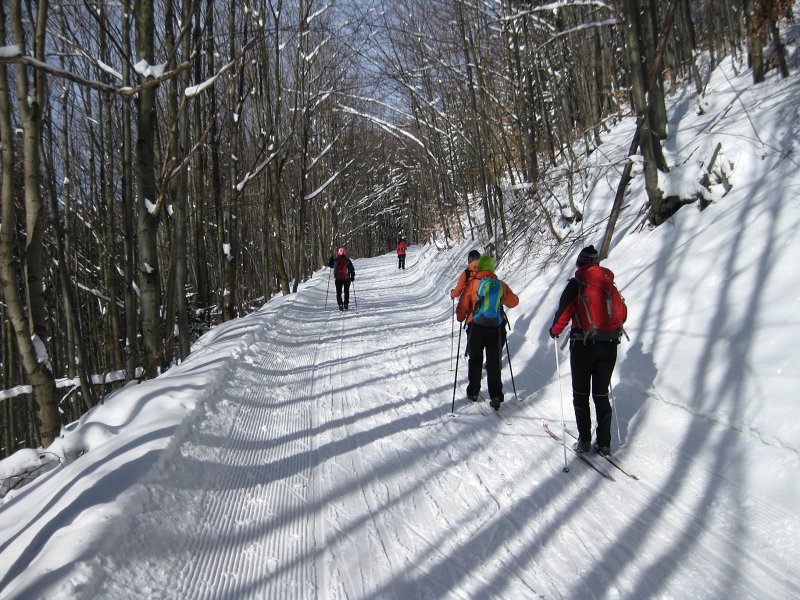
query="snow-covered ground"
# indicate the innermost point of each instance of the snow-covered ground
(300, 453)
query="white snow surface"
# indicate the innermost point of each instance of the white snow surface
(303, 453)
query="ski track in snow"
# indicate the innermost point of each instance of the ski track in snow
(327, 465)
(231, 522)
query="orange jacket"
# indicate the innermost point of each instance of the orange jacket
(467, 301)
(462, 280)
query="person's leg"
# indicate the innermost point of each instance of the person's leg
(580, 365)
(346, 294)
(494, 379)
(605, 357)
(339, 286)
(476, 344)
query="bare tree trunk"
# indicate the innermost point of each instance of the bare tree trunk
(176, 324)
(530, 110)
(201, 226)
(635, 143)
(9, 367)
(231, 258)
(182, 209)
(172, 157)
(132, 354)
(41, 378)
(303, 112)
(474, 121)
(779, 51)
(77, 349)
(754, 47)
(656, 103)
(647, 141)
(686, 27)
(217, 232)
(272, 114)
(147, 223)
(30, 103)
(110, 259)
(277, 235)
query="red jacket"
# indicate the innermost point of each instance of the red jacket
(567, 304)
(401, 247)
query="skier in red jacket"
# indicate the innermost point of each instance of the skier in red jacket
(592, 361)
(344, 274)
(401, 254)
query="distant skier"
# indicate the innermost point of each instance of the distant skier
(401, 254)
(481, 305)
(343, 273)
(594, 336)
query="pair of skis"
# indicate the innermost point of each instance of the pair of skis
(582, 456)
(484, 409)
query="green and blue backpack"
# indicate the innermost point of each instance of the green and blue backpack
(488, 311)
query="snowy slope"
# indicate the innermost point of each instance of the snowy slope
(300, 453)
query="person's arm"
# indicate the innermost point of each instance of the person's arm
(464, 306)
(565, 308)
(351, 269)
(462, 281)
(510, 299)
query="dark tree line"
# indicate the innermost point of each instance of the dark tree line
(168, 164)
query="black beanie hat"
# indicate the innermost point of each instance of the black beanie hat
(588, 255)
(473, 255)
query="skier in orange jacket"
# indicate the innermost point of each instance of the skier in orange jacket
(485, 333)
(484, 267)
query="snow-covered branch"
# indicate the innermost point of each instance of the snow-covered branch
(13, 55)
(328, 182)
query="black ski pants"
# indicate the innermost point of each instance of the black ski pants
(592, 365)
(491, 340)
(401, 261)
(343, 285)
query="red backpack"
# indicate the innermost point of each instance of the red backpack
(340, 270)
(600, 310)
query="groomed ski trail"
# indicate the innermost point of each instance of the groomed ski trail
(324, 463)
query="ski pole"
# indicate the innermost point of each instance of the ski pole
(455, 383)
(614, 410)
(452, 333)
(561, 398)
(514, 385)
(355, 300)
(328, 289)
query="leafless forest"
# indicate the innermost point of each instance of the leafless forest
(170, 164)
